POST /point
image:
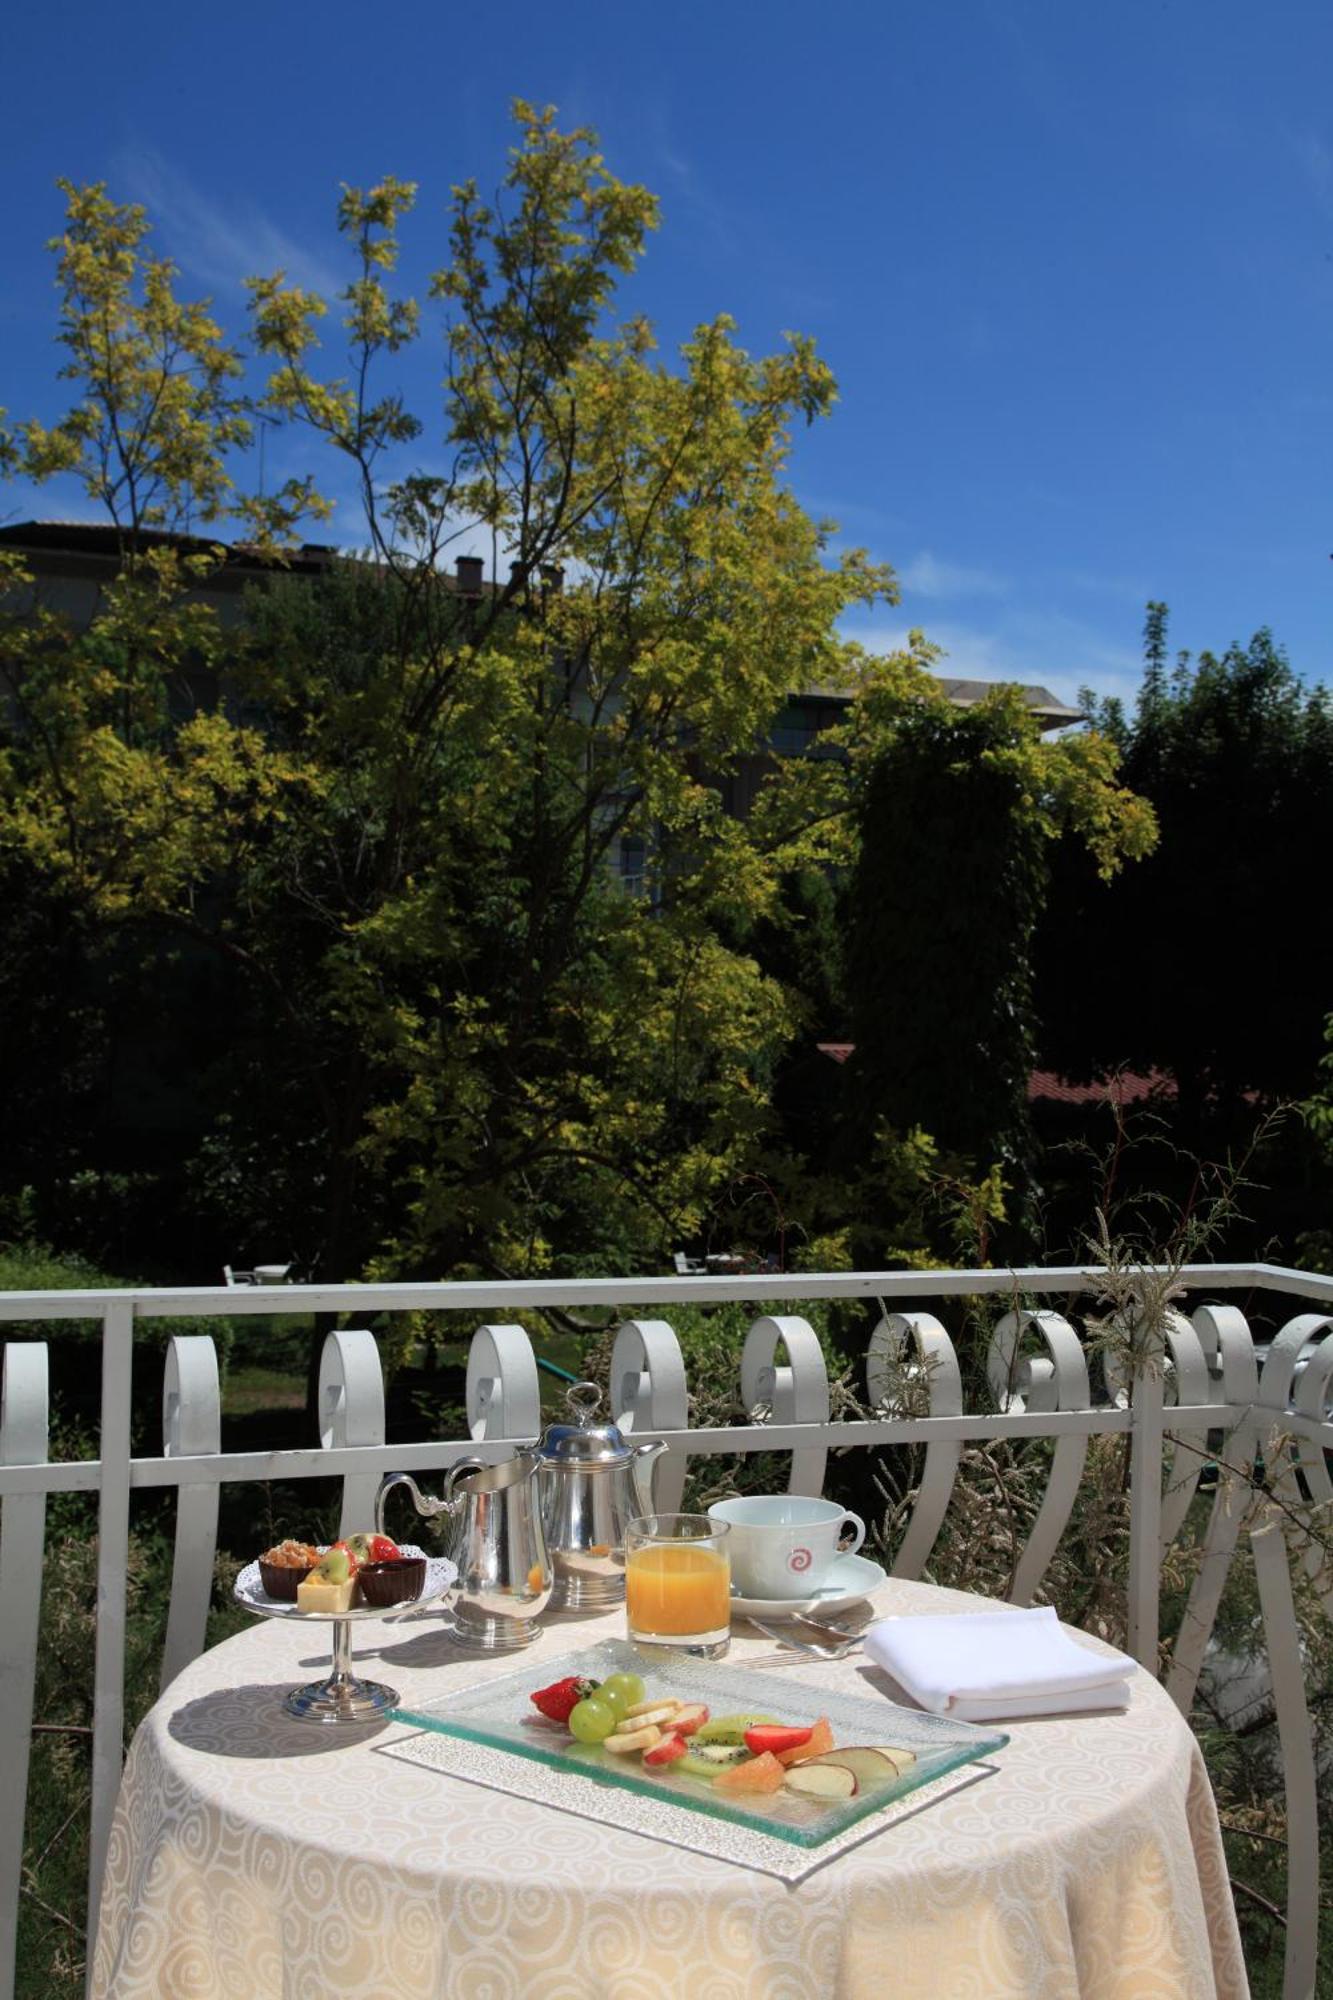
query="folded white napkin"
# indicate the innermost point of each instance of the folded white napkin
(986, 1666)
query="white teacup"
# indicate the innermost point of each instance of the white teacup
(783, 1545)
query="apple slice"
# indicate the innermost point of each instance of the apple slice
(664, 1752)
(822, 1781)
(868, 1767)
(901, 1759)
(686, 1720)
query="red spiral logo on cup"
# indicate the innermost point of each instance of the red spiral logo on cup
(799, 1559)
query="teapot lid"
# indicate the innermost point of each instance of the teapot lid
(584, 1442)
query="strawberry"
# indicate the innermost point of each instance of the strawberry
(774, 1738)
(557, 1701)
(383, 1550)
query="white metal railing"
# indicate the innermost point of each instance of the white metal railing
(1203, 1380)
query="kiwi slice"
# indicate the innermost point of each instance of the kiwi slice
(714, 1758)
(732, 1728)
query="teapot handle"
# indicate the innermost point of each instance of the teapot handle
(423, 1502)
(460, 1469)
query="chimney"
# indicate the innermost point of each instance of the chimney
(469, 569)
(553, 577)
(518, 575)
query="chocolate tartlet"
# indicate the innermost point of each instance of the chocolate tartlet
(283, 1569)
(387, 1583)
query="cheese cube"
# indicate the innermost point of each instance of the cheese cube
(330, 1600)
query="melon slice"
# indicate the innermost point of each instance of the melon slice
(821, 1741)
(757, 1774)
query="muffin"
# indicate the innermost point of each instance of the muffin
(387, 1583)
(284, 1568)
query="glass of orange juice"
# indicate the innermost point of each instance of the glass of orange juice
(678, 1583)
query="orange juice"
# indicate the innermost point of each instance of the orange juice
(677, 1589)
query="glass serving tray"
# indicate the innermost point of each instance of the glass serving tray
(498, 1712)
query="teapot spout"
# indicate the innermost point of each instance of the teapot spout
(642, 1463)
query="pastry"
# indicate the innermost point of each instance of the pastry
(396, 1581)
(283, 1568)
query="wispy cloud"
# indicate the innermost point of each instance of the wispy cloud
(222, 244)
(1047, 648)
(1127, 589)
(926, 575)
(1317, 162)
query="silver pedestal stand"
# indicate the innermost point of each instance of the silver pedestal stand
(342, 1697)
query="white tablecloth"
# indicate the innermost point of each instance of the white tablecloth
(260, 1858)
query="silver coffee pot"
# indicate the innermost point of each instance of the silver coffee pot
(504, 1572)
(593, 1481)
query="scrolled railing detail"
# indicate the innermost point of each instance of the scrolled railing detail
(649, 1393)
(1227, 1347)
(1294, 1382)
(1054, 1380)
(1310, 1397)
(794, 1392)
(191, 1428)
(504, 1398)
(911, 1353)
(351, 1412)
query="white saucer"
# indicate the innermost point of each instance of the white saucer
(850, 1578)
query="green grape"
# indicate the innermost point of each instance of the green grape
(592, 1720)
(615, 1698)
(627, 1685)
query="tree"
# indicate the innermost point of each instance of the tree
(389, 814)
(1199, 963)
(958, 814)
(394, 823)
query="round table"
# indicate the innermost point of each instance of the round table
(254, 1856)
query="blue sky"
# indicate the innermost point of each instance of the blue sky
(1072, 266)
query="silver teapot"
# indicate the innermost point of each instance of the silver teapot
(593, 1482)
(504, 1573)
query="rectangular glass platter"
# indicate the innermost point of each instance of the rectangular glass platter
(498, 1712)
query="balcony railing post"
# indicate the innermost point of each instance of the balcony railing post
(504, 1398)
(24, 1400)
(1272, 1573)
(649, 1393)
(113, 1552)
(351, 1411)
(890, 1376)
(1145, 1503)
(795, 1393)
(191, 1428)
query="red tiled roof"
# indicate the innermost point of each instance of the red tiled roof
(1121, 1088)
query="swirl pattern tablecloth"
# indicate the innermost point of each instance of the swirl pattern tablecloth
(254, 1857)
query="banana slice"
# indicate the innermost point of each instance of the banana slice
(655, 1712)
(642, 1709)
(636, 1739)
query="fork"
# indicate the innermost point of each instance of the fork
(784, 1637)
